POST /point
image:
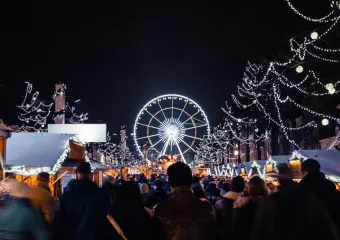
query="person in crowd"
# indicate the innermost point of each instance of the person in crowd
(144, 190)
(184, 216)
(110, 187)
(18, 220)
(315, 182)
(225, 206)
(150, 204)
(129, 213)
(159, 191)
(69, 185)
(41, 197)
(196, 184)
(82, 210)
(245, 209)
(215, 196)
(292, 213)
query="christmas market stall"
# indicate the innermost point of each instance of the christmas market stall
(328, 159)
(31, 153)
(130, 170)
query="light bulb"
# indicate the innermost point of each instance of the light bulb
(236, 152)
(332, 91)
(27, 121)
(27, 105)
(314, 35)
(299, 69)
(329, 86)
(256, 129)
(325, 122)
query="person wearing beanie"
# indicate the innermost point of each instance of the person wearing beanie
(184, 216)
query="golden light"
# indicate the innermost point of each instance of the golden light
(236, 152)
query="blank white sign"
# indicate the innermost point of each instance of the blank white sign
(86, 132)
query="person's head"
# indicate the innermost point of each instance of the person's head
(179, 175)
(44, 177)
(18, 189)
(310, 166)
(257, 187)
(199, 193)
(159, 184)
(128, 196)
(144, 188)
(83, 170)
(226, 187)
(237, 184)
(284, 172)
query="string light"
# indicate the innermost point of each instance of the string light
(325, 122)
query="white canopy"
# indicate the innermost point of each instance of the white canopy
(31, 153)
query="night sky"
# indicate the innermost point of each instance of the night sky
(117, 55)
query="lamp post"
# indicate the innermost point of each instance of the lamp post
(5, 133)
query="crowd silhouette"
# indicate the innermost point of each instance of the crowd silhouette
(175, 206)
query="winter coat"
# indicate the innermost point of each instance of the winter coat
(292, 214)
(326, 192)
(244, 217)
(19, 221)
(42, 200)
(224, 213)
(160, 193)
(82, 212)
(185, 217)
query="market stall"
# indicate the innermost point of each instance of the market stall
(31, 153)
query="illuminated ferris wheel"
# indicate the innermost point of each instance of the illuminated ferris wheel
(170, 125)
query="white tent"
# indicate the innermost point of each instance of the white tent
(31, 153)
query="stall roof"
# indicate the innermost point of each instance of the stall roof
(94, 164)
(45, 151)
(328, 159)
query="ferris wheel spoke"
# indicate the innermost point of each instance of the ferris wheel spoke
(161, 109)
(150, 126)
(198, 120)
(191, 116)
(172, 108)
(187, 145)
(149, 136)
(153, 145)
(180, 151)
(193, 137)
(153, 116)
(165, 147)
(203, 125)
(182, 110)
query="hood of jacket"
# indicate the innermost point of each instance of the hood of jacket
(317, 183)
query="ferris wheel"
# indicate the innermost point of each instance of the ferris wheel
(170, 125)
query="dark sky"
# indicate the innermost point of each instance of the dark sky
(117, 55)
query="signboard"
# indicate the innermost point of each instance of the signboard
(86, 132)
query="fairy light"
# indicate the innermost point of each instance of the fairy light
(299, 69)
(325, 122)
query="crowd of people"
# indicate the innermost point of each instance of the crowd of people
(176, 206)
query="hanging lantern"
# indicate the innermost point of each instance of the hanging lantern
(329, 86)
(332, 91)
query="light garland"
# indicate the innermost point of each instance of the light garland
(257, 166)
(34, 112)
